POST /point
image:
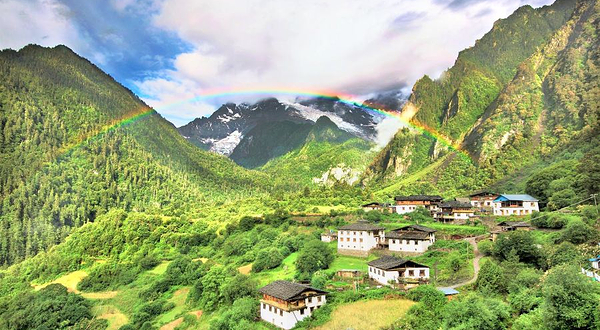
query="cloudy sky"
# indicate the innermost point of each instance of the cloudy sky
(171, 51)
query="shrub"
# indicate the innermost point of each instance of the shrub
(148, 262)
(267, 259)
(314, 256)
(486, 247)
(578, 232)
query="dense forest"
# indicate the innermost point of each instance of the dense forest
(67, 157)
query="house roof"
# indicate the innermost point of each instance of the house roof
(595, 259)
(456, 204)
(412, 198)
(417, 228)
(286, 290)
(463, 199)
(513, 224)
(361, 225)
(372, 204)
(419, 235)
(390, 262)
(483, 193)
(522, 197)
(448, 291)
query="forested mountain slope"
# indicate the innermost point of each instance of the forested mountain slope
(525, 96)
(324, 155)
(75, 143)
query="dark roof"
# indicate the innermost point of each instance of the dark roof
(463, 199)
(371, 204)
(456, 204)
(513, 224)
(286, 290)
(431, 198)
(407, 235)
(523, 197)
(483, 193)
(417, 228)
(390, 262)
(361, 225)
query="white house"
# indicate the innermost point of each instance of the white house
(407, 204)
(515, 205)
(484, 200)
(329, 236)
(389, 269)
(359, 238)
(594, 271)
(455, 210)
(413, 238)
(284, 303)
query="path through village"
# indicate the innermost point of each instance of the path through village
(473, 242)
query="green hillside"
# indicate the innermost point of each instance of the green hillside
(523, 97)
(269, 140)
(67, 158)
(325, 148)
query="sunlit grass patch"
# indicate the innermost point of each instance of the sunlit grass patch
(69, 281)
(367, 315)
(115, 318)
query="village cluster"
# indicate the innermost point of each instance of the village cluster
(285, 303)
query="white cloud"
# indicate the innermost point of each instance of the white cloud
(43, 22)
(386, 130)
(350, 46)
(174, 99)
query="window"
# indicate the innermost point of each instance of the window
(263, 306)
(411, 273)
(270, 308)
(361, 240)
(354, 240)
(281, 312)
(319, 298)
(422, 273)
(302, 311)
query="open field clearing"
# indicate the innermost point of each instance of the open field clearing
(69, 281)
(115, 318)
(367, 315)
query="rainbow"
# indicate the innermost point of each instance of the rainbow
(142, 112)
(231, 93)
(341, 97)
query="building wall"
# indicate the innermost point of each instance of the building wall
(406, 208)
(384, 277)
(527, 208)
(327, 238)
(458, 215)
(403, 245)
(358, 240)
(287, 320)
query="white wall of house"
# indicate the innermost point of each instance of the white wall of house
(596, 264)
(402, 209)
(410, 245)
(485, 203)
(358, 240)
(384, 277)
(459, 215)
(327, 238)
(527, 208)
(287, 320)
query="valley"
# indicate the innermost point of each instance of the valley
(478, 212)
